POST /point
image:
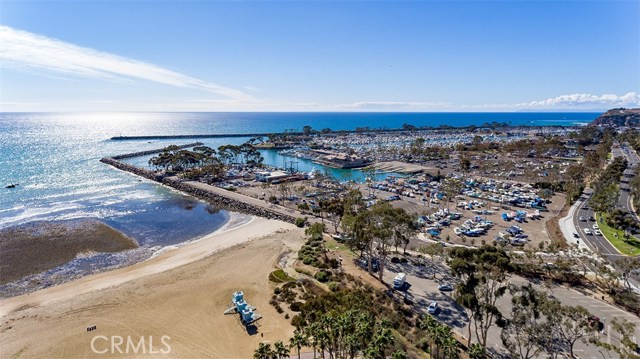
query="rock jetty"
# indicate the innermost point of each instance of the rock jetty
(213, 196)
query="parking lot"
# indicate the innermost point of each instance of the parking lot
(422, 289)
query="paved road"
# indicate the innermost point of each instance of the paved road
(584, 219)
(633, 160)
(423, 289)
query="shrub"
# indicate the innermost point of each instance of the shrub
(323, 276)
(296, 306)
(297, 321)
(395, 260)
(289, 285)
(333, 286)
(277, 291)
(300, 222)
(334, 263)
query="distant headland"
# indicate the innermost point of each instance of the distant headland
(619, 117)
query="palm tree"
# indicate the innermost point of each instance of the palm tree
(429, 325)
(312, 339)
(382, 339)
(298, 341)
(450, 348)
(477, 351)
(323, 340)
(263, 352)
(440, 335)
(281, 350)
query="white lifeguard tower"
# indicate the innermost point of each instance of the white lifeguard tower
(246, 311)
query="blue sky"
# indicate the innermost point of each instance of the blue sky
(319, 56)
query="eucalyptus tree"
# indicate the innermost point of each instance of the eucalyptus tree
(432, 250)
(527, 332)
(605, 198)
(205, 150)
(626, 265)
(570, 325)
(225, 154)
(483, 274)
(334, 207)
(627, 347)
(452, 187)
(386, 226)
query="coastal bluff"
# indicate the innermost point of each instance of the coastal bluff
(619, 117)
(217, 196)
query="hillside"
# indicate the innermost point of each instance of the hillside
(629, 117)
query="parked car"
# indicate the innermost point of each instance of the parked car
(445, 288)
(364, 264)
(433, 308)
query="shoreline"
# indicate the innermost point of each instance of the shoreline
(223, 238)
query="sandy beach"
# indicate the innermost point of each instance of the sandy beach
(180, 294)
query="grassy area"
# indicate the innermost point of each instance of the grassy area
(280, 276)
(617, 241)
(332, 244)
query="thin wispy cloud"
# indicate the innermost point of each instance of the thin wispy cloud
(583, 100)
(25, 50)
(391, 105)
(572, 102)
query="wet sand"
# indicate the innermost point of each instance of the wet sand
(39, 246)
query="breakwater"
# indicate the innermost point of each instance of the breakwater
(362, 130)
(172, 137)
(150, 152)
(214, 196)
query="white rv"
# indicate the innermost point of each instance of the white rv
(398, 281)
